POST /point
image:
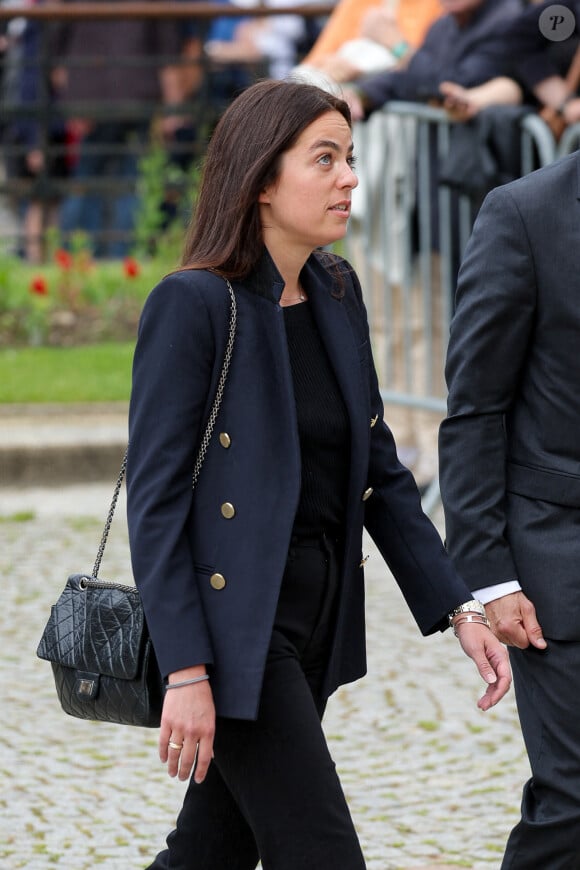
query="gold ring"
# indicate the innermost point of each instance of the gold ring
(173, 745)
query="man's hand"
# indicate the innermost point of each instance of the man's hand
(513, 621)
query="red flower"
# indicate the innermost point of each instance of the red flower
(63, 259)
(39, 285)
(131, 267)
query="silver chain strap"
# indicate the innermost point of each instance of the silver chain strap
(220, 387)
(204, 441)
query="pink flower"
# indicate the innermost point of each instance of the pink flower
(39, 285)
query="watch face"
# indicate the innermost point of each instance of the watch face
(470, 607)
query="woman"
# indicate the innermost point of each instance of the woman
(253, 585)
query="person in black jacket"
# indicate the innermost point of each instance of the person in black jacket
(253, 586)
(510, 478)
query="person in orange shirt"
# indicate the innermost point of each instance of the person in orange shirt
(363, 36)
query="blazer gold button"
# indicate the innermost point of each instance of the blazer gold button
(367, 493)
(217, 581)
(374, 421)
(225, 439)
(228, 510)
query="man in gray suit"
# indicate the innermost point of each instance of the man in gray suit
(510, 478)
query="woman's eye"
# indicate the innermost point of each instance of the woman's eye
(352, 161)
(325, 159)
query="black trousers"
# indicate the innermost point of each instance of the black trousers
(547, 686)
(272, 792)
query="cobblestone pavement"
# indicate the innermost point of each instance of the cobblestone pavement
(432, 782)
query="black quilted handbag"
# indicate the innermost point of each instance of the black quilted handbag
(96, 637)
(102, 657)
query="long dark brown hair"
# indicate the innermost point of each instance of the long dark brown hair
(242, 159)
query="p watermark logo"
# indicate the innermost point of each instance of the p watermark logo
(557, 23)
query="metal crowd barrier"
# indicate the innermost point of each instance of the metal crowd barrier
(570, 140)
(407, 234)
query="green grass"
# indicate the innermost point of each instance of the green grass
(89, 373)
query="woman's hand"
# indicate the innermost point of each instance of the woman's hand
(491, 659)
(187, 726)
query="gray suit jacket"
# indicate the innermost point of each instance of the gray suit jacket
(510, 447)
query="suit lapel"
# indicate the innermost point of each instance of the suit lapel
(340, 342)
(341, 345)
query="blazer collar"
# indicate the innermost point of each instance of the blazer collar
(336, 331)
(329, 313)
(265, 279)
(334, 326)
(331, 319)
(337, 334)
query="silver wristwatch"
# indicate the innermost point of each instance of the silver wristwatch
(472, 606)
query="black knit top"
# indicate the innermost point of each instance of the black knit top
(323, 427)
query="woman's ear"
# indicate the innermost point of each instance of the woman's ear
(264, 197)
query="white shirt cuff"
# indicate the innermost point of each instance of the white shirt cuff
(490, 593)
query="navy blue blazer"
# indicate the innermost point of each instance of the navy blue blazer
(210, 582)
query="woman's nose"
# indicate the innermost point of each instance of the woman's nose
(348, 178)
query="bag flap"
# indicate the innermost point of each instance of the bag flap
(99, 629)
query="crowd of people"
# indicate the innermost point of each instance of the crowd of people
(80, 99)
(104, 83)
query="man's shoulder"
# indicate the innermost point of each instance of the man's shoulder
(562, 173)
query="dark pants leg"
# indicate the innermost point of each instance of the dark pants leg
(547, 685)
(210, 832)
(274, 785)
